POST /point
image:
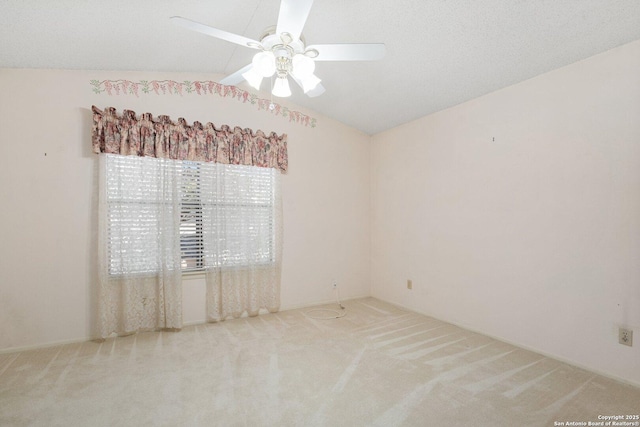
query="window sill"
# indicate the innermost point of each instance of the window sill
(193, 275)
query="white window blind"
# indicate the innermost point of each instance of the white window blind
(191, 232)
(238, 212)
(222, 215)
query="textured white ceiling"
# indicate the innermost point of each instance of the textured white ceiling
(439, 53)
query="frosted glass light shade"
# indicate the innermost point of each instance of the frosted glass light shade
(309, 82)
(253, 78)
(303, 66)
(281, 88)
(264, 63)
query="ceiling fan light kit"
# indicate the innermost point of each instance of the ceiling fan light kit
(283, 52)
(309, 83)
(283, 57)
(264, 63)
(253, 78)
(281, 88)
(303, 66)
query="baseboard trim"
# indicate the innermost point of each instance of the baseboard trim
(325, 302)
(522, 346)
(45, 345)
(331, 301)
(192, 323)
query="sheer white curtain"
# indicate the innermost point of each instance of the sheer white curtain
(139, 244)
(177, 197)
(242, 239)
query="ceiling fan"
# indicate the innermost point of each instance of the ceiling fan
(283, 51)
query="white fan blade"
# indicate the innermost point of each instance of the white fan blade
(214, 32)
(235, 78)
(292, 17)
(349, 51)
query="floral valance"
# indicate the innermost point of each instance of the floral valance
(162, 138)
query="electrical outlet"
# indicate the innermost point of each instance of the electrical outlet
(625, 336)
(409, 284)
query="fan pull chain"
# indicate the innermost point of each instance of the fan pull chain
(271, 104)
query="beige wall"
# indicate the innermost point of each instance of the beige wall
(533, 237)
(48, 218)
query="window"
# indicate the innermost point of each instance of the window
(219, 215)
(191, 237)
(238, 213)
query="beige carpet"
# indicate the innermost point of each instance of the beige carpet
(378, 366)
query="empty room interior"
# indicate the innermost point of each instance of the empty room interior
(310, 213)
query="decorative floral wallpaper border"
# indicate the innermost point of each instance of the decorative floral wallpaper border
(171, 87)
